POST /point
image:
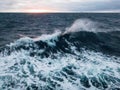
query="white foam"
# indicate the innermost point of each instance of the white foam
(22, 41)
(90, 64)
(89, 26)
(82, 25)
(48, 38)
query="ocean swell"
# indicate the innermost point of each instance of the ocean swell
(72, 60)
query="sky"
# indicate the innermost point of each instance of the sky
(59, 5)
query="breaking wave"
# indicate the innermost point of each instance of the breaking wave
(78, 59)
(89, 26)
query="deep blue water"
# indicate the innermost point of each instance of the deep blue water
(60, 51)
(37, 24)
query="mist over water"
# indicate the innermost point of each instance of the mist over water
(89, 26)
(80, 52)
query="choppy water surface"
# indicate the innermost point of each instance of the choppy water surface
(60, 51)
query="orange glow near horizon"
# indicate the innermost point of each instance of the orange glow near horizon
(39, 10)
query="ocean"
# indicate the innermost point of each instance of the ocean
(59, 51)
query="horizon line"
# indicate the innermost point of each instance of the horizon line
(62, 12)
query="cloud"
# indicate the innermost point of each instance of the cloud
(61, 5)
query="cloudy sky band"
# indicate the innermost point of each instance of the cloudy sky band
(60, 5)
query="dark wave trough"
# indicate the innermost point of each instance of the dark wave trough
(70, 60)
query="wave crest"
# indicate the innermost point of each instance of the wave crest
(78, 59)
